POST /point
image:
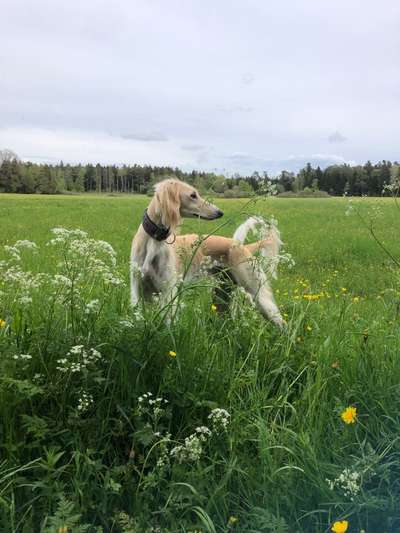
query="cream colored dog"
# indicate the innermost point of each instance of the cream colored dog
(159, 259)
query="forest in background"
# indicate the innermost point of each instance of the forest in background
(17, 176)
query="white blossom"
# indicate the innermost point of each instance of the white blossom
(219, 418)
(85, 402)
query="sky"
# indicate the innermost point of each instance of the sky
(215, 85)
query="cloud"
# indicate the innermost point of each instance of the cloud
(40, 158)
(235, 108)
(202, 158)
(336, 137)
(244, 91)
(249, 163)
(248, 78)
(242, 157)
(146, 137)
(89, 147)
(193, 147)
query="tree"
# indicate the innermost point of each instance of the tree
(219, 185)
(47, 181)
(7, 155)
(285, 180)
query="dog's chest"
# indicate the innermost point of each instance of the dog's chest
(157, 262)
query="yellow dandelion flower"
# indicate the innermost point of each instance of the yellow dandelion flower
(343, 289)
(172, 353)
(349, 415)
(214, 308)
(340, 527)
(2, 323)
(356, 299)
(308, 328)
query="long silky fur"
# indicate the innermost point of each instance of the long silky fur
(267, 232)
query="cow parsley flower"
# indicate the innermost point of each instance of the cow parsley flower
(349, 482)
(219, 418)
(85, 401)
(190, 451)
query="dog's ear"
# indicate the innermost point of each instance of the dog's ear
(167, 193)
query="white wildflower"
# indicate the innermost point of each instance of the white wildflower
(190, 451)
(22, 357)
(92, 307)
(203, 432)
(13, 252)
(28, 245)
(219, 418)
(61, 281)
(78, 358)
(25, 299)
(348, 481)
(85, 402)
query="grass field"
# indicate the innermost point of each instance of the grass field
(242, 431)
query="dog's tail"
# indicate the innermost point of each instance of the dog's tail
(269, 242)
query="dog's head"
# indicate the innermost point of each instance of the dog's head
(177, 199)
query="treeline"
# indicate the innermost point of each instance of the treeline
(26, 177)
(368, 179)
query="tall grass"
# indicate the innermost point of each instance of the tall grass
(114, 420)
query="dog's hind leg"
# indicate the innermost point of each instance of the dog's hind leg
(248, 273)
(223, 291)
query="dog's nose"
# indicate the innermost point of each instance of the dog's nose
(220, 213)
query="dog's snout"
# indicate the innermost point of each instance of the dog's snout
(220, 213)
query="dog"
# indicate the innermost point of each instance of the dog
(160, 259)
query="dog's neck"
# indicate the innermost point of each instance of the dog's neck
(153, 225)
(154, 212)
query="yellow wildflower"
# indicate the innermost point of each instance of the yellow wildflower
(340, 527)
(356, 299)
(214, 308)
(2, 323)
(310, 297)
(172, 353)
(308, 328)
(349, 415)
(232, 520)
(343, 289)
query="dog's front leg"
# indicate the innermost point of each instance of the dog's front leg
(135, 277)
(169, 298)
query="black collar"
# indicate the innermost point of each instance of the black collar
(159, 233)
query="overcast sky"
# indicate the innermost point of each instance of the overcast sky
(227, 85)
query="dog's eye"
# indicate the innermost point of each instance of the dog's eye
(193, 195)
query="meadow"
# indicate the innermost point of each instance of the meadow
(112, 419)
